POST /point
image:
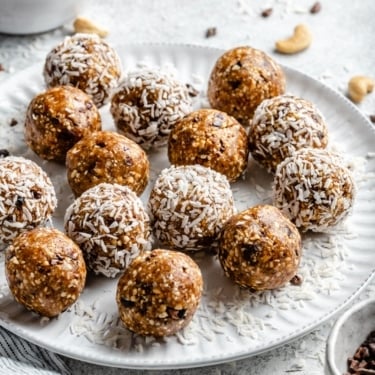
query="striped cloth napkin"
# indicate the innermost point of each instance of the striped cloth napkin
(17, 356)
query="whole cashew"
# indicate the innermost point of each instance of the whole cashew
(359, 87)
(84, 25)
(299, 41)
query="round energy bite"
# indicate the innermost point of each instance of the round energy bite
(282, 125)
(211, 138)
(107, 157)
(57, 119)
(27, 197)
(147, 104)
(159, 293)
(189, 205)
(241, 79)
(45, 271)
(85, 61)
(314, 189)
(111, 227)
(259, 248)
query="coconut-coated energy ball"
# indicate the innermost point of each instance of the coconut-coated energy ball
(189, 205)
(45, 271)
(85, 61)
(283, 124)
(210, 138)
(110, 225)
(57, 119)
(158, 294)
(314, 189)
(259, 248)
(241, 79)
(110, 157)
(27, 197)
(147, 104)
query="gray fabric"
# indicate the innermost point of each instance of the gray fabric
(18, 356)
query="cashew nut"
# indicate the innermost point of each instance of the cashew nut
(299, 41)
(84, 25)
(359, 87)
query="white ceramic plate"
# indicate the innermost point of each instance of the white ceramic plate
(230, 323)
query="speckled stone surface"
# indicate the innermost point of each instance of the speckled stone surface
(343, 46)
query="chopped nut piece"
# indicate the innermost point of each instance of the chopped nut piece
(2, 68)
(211, 31)
(372, 118)
(84, 25)
(296, 280)
(316, 8)
(13, 122)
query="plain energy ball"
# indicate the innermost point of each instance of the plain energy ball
(158, 294)
(27, 197)
(147, 104)
(110, 225)
(45, 271)
(210, 138)
(189, 205)
(110, 157)
(57, 119)
(259, 248)
(241, 79)
(85, 61)
(283, 125)
(314, 189)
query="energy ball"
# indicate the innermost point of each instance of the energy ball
(27, 197)
(107, 157)
(282, 125)
(159, 293)
(85, 61)
(110, 225)
(314, 189)
(189, 205)
(210, 138)
(241, 79)
(260, 248)
(147, 104)
(57, 119)
(45, 271)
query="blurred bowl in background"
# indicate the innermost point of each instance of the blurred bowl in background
(21, 17)
(348, 333)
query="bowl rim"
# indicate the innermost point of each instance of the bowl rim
(332, 338)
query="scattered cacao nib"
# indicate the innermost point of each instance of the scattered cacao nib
(316, 8)
(266, 12)
(296, 280)
(211, 31)
(363, 360)
(4, 153)
(372, 118)
(192, 91)
(13, 122)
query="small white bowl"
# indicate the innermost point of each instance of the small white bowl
(348, 333)
(36, 16)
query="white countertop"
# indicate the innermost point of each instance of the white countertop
(343, 46)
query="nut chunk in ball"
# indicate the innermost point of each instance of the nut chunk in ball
(147, 104)
(57, 119)
(211, 138)
(159, 293)
(27, 197)
(189, 205)
(45, 270)
(107, 157)
(283, 125)
(314, 189)
(84, 61)
(241, 79)
(260, 248)
(110, 225)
